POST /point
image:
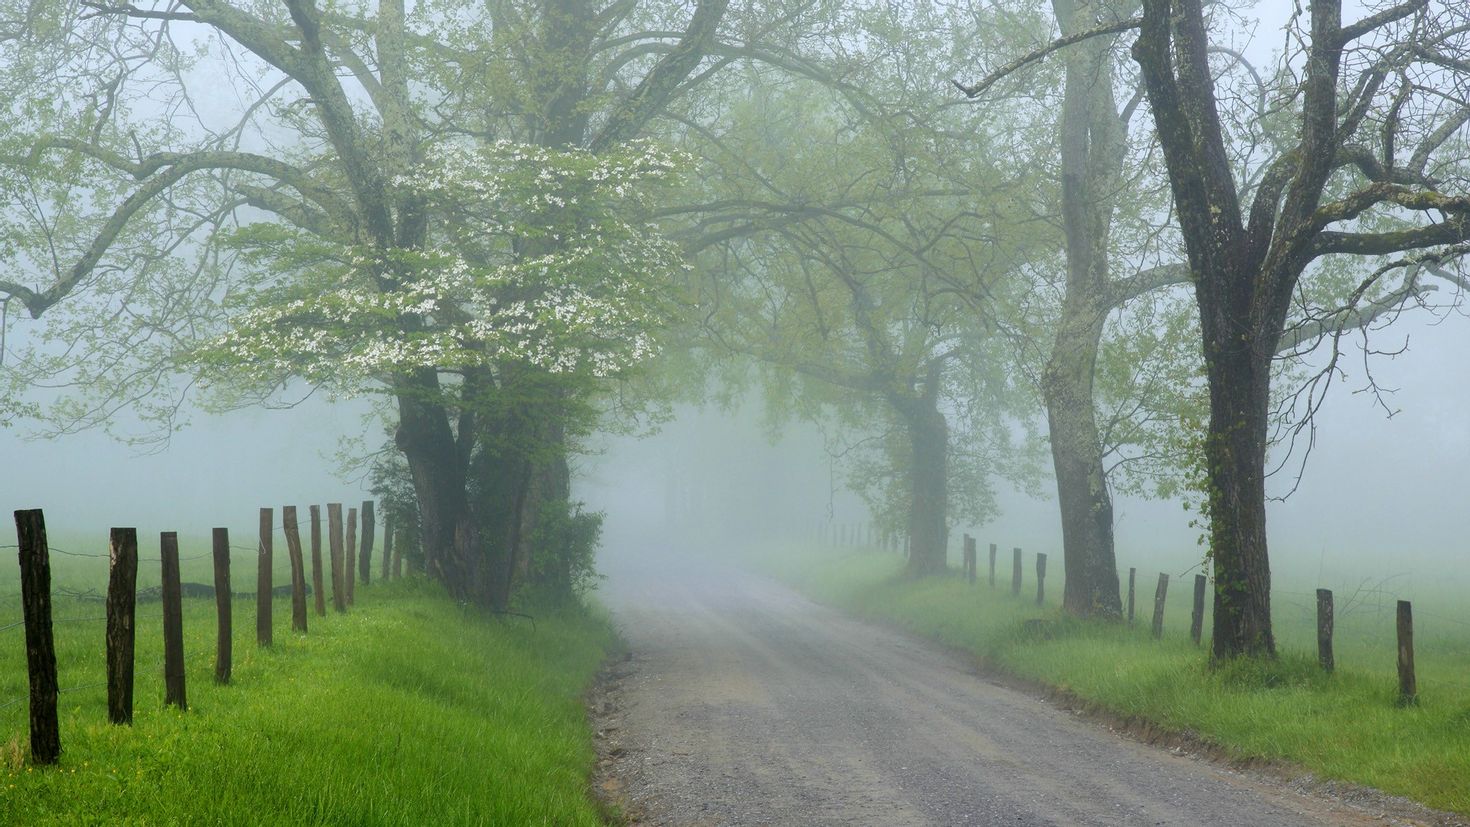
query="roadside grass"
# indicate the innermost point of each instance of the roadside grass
(1346, 726)
(406, 710)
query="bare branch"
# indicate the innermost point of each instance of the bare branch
(979, 87)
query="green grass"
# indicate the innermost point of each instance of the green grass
(407, 710)
(1344, 726)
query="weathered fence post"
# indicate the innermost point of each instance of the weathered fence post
(264, 564)
(1408, 687)
(389, 562)
(298, 567)
(334, 541)
(1040, 577)
(1132, 576)
(35, 598)
(173, 622)
(992, 565)
(1324, 630)
(223, 606)
(387, 545)
(397, 555)
(1159, 594)
(1197, 617)
(369, 533)
(122, 596)
(1016, 572)
(349, 564)
(316, 561)
(971, 563)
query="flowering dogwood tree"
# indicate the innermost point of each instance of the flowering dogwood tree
(538, 263)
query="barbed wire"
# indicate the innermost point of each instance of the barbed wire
(255, 549)
(78, 688)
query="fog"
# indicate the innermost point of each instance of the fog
(1379, 495)
(216, 471)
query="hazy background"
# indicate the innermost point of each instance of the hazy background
(216, 472)
(1378, 494)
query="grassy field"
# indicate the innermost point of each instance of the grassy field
(1345, 726)
(407, 710)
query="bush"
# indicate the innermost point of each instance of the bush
(563, 549)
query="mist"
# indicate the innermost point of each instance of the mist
(683, 359)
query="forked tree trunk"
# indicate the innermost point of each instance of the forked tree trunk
(447, 533)
(1093, 144)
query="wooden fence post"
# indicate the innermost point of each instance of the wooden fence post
(264, 582)
(316, 561)
(1408, 687)
(1159, 594)
(35, 598)
(1324, 630)
(173, 623)
(387, 544)
(388, 561)
(349, 566)
(992, 565)
(369, 533)
(298, 567)
(397, 555)
(334, 541)
(1016, 572)
(1040, 577)
(971, 563)
(1197, 617)
(1132, 576)
(122, 596)
(224, 646)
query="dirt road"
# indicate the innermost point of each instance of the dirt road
(743, 703)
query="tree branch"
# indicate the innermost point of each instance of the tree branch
(979, 88)
(659, 85)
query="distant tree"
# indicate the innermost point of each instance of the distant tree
(864, 254)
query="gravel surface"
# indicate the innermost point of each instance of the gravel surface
(743, 703)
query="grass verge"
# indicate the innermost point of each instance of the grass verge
(406, 710)
(1345, 726)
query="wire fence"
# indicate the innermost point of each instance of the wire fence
(79, 666)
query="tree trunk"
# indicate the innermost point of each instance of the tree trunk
(1239, 369)
(1093, 143)
(435, 460)
(929, 483)
(1091, 585)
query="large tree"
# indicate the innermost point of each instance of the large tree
(139, 167)
(865, 252)
(1371, 130)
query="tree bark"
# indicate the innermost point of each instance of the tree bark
(1091, 583)
(929, 486)
(1092, 149)
(437, 464)
(1240, 395)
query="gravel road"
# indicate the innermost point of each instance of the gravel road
(743, 703)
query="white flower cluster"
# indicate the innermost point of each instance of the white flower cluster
(587, 302)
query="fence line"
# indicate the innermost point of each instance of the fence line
(38, 617)
(1319, 604)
